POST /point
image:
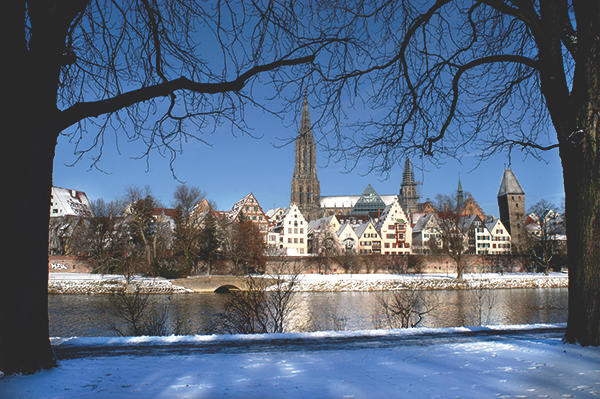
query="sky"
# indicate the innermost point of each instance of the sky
(233, 166)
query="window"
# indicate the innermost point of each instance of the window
(301, 240)
(301, 231)
(295, 240)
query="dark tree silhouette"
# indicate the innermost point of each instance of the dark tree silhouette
(159, 73)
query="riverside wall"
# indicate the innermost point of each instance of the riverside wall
(438, 264)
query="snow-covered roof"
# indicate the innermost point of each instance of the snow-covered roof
(422, 222)
(69, 202)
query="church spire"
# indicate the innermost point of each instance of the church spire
(306, 190)
(305, 127)
(459, 195)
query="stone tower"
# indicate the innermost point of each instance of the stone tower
(306, 191)
(511, 204)
(408, 197)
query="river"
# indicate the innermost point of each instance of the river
(92, 315)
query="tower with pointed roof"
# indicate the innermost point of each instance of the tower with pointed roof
(306, 190)
(408, 197)
(460, 199)
(511, 205)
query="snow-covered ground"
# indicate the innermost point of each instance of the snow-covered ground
(517, 365)
(377, 282)
(88, 283)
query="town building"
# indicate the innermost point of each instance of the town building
(322, 235)
(249, 209)
(501, 240)
(369, 240)
(347, 237)
(395, 230)
(69, 202)
(425, 230)
(290, 235)
(511, 204)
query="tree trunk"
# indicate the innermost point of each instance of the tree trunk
(580, 155)
(581, 171)
(24, 327)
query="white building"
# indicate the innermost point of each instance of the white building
(501, 241)
(395, 230)
(322, 234)
(291, 234)
(426, 229)
(68, 202)
(347, 237)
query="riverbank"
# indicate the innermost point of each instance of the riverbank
(397, 282)
(466, 363)
(86, 283)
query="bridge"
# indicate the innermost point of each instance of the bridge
(213, 283)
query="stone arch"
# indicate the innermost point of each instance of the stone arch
(224, 289)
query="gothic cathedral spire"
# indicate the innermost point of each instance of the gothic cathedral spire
(306, 190)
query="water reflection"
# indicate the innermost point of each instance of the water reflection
(90, 315)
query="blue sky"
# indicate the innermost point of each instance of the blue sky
(234, 166)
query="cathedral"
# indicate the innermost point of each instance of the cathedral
(306, 191)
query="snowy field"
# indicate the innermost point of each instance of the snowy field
(517, 365)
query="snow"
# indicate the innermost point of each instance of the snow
(515, 365)
(378, 282)
(89, 283)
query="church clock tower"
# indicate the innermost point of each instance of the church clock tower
(306, 190)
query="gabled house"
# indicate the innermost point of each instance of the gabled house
(347, 237)
(426, 229)
(322, 234)
(369, 240)
(501, 241)
(249, 209)
(290, 235)
(68, 202)
(395, 230)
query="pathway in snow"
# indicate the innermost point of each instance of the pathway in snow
(518, 365)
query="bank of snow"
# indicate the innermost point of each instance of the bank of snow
(393, 282)
(88, 283)
(510, 366)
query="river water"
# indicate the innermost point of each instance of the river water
(92, 315)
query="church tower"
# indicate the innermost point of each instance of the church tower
(306, 190)
(408, 190)
(511, 204)
(460, 198)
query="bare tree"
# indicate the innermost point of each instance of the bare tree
(138, 313)
(187, 234)
(448, 77)
(156, 73)
(542, 242)
(406, 308)
(453, 229)
(265, 303)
